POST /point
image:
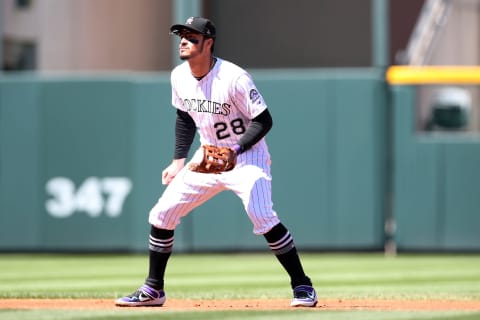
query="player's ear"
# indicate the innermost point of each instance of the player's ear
(212, 40)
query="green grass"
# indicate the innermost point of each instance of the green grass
(238, 315)
(237, 276)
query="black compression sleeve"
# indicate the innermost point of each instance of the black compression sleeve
(184, 134)
(257, 129)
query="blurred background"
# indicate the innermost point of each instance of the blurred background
(86, 125)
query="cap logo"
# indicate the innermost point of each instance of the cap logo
(189, 20)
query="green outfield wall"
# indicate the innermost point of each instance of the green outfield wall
(81, 160)
(436, 183)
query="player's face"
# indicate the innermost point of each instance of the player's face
(191, 45)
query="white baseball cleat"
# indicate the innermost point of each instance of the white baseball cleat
(144, 296)
(304, 296)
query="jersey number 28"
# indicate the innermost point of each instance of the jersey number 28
(236, 126)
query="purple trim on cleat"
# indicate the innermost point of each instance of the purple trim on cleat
(304, 296)
(144, 296)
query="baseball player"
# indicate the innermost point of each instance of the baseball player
(218, 100)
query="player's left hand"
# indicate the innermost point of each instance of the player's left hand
(215, 160)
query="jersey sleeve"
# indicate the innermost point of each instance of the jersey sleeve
(176, 100)
(247, 97)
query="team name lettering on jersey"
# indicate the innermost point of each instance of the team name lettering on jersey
(208, 106)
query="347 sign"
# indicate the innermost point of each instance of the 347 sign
(93, 196)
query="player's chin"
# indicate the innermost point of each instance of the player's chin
(184, 56)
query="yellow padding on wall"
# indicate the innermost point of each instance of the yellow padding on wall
(433, 75)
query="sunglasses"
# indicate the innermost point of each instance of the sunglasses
(189, 36)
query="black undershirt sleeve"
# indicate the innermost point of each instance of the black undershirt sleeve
(184, 134)
(257, 129)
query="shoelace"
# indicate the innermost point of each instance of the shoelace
(302, 294)
(135, 294)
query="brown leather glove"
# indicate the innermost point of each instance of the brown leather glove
(215, 160)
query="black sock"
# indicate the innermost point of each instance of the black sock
(281, 243)
(160, 245)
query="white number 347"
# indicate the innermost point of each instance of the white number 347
(94, 196)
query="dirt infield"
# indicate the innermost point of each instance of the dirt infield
(272, 304)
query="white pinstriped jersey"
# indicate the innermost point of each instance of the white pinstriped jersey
(222, 103)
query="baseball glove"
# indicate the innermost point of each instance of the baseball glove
(215, 160)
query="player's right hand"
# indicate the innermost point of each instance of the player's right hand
(171, 171)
